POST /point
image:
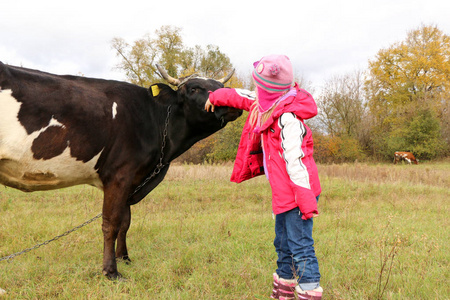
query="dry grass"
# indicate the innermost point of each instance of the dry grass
(424, 174)
(179, 172)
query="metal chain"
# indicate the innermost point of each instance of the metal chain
(160, 165)
(155, 172)
(9, 257)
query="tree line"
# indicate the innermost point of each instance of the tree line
(401, 102)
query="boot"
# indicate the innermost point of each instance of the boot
(286, 289)
(315, 294)
(275, 295)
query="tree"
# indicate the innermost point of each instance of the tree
(167, 49)
(137, 61)
(341, 110)
(406, 79)
(341, 105)
(417, 69)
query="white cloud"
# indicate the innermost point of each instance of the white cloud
(321, 37)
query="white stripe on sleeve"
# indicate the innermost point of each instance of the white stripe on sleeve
(292, 133)
(246, 93)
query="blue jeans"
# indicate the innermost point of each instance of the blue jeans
(295, 247)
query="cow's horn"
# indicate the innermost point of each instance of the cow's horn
(167, 77)
(225, 79)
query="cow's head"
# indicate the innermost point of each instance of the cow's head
(191, 94)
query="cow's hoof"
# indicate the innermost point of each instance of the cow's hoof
(113, 275)
(124, 259)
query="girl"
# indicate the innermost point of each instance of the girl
(276, 142)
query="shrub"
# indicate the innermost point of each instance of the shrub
(336, 149)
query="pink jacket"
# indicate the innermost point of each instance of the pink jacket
(287, 159)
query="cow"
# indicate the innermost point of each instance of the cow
(58, 131)
(407, 156)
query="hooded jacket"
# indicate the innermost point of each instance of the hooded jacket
(287, 159)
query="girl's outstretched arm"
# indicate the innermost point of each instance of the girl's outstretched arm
(237, 98)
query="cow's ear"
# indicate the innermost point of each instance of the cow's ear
(163, 93)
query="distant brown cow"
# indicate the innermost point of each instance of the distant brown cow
(407, 156)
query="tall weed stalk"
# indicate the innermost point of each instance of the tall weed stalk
(388, 251)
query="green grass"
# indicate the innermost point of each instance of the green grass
(382, 233)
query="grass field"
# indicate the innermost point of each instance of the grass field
(383, 233)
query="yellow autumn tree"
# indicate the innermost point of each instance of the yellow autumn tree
(405, 80)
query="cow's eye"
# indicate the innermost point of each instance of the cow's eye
(193, 90)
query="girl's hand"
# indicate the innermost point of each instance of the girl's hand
(209, 106)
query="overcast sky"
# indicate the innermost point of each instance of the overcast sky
(322, 37)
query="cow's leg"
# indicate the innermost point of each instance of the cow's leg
(121, 251)
(114, 205)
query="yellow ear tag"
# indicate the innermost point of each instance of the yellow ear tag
(155, 90)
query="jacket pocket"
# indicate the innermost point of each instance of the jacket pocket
(256, 162)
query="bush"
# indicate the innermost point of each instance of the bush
(421, 136)
(424, 136)
(336, 149)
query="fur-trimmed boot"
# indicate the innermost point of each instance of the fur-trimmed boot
(275, 295)
(315, 294)
(286, 288)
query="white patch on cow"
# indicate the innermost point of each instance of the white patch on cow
(18, 167)
(114, 110)
(54, 122)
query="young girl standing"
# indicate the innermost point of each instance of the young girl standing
(276, 142)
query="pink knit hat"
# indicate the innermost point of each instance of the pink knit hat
(273, 76)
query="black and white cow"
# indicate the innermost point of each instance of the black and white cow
(58, 131)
